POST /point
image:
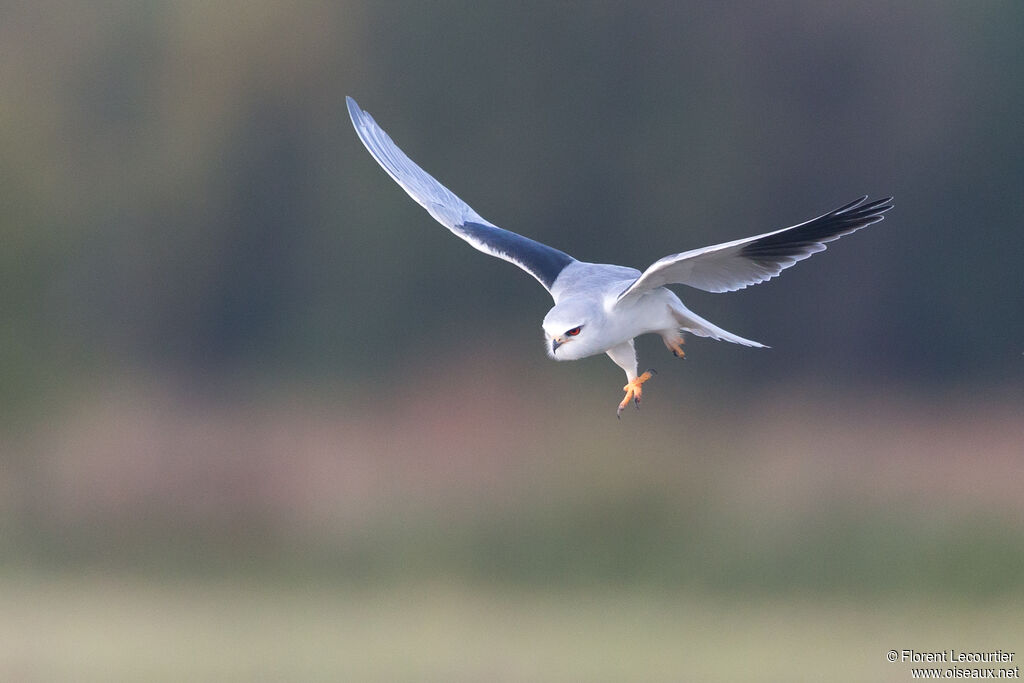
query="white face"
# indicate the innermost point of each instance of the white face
(570, 330)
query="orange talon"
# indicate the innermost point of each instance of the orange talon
(633, 391)
(676, 346)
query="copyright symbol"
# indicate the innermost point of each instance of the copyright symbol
(892, 655)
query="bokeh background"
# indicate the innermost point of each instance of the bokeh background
(262, 418)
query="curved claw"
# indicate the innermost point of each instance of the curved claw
(634, 391)
(676, 346)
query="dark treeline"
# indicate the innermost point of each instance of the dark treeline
(182, 187)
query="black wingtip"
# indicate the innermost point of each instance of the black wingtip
(858, 206)
(793, 244)
(846, 207)
(877, 205)
(859, 212)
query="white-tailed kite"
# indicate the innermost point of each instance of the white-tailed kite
(600, 308)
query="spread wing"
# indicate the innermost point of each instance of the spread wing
(539, 260)
(735, 265)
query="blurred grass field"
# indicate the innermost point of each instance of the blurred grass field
(162, 532)
(99, 628)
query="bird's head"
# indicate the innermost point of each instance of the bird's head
(571, 330)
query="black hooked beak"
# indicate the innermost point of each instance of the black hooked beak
(555, 344)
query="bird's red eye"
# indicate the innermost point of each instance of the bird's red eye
(574, 331)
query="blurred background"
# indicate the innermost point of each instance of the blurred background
(262, 418)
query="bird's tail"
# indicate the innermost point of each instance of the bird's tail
(693, 323)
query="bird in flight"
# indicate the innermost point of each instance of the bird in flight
(601, 308)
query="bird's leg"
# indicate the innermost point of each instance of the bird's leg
(634, 391)
(624, 355)
(674, 342)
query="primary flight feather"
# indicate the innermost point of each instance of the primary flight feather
(601, 308)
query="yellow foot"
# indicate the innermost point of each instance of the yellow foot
(634, 392)
(675, 346)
